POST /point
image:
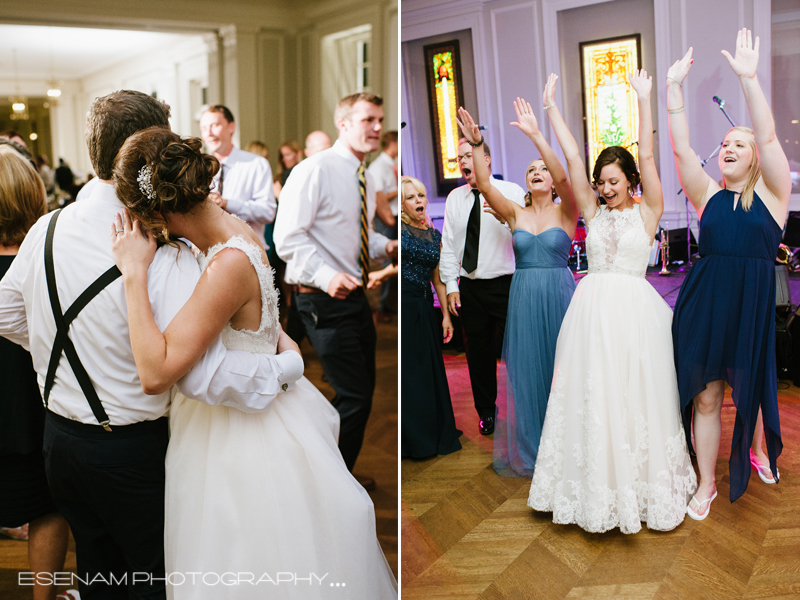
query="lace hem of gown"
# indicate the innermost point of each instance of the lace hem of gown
(263, 340)
(594, 506)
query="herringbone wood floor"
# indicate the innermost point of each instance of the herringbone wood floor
(468, 534)
(378, 459)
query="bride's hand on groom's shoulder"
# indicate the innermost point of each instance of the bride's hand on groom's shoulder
(132, 246)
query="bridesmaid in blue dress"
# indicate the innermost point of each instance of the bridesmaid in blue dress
(428, 424)
(541, 290)
(724, 323)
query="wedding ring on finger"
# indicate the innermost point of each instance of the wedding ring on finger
(120, 231)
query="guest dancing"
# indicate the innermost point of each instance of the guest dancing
(26, 496)
(613, 452)
(429, 426)
(541, 290)
(477, 249)
(724, 326)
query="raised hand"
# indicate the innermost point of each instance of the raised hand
(641, 83)
(468, 126)
(680, 68)
(526, 120)
(745, 62)
(549, 95)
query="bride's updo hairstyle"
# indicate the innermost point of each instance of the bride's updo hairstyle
(623, 159)
(157, 172)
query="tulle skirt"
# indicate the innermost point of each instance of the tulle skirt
(613, 451)
(261, 505)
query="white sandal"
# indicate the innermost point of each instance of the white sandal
(761, 470)
(697, 516)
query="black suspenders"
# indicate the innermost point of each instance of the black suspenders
(63, 321)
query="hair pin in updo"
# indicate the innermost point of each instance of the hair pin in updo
(145, 180)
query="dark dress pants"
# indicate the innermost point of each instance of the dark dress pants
(343, 336)
(110, 488)
(484, 303)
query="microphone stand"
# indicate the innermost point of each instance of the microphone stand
(703, 164)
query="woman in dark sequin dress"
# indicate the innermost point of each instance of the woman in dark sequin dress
(428, 425)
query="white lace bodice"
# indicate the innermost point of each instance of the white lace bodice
(264, 340)
(617, 242)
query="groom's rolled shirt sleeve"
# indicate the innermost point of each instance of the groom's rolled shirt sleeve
(242, 380)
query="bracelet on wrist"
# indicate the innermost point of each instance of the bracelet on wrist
(476, 144)
(673, 111)
(549, 106)
(675, 80)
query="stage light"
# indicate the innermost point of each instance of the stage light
(34, 136)
(18, 106)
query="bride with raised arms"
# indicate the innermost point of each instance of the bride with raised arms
(613, 451)
(259, 493)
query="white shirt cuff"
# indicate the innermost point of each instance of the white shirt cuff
(452, 287)
(323, 277)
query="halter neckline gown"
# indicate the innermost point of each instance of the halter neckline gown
(724, 325)
(541, 290)
(613, 452)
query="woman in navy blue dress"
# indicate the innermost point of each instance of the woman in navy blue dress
(724, 323)
(429, 426)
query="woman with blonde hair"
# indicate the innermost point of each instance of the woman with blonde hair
(429, 426)
(26, 495)
(724, 324)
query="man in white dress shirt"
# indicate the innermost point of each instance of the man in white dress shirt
(384, 172)
(243, 185)
(485, 264)
(108, 481)
(322, 233)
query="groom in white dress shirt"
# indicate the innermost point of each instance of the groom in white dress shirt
(108, 482)
(482, 294)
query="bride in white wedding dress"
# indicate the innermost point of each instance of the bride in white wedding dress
(258, 505)
(613, 451)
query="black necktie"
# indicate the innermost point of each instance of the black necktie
(470, 262)
(221, 178)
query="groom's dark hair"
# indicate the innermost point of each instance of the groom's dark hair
(114, 118)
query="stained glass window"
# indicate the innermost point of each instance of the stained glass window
(444, 85)
(611, 114)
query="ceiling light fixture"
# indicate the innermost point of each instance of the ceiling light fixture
(19, 103)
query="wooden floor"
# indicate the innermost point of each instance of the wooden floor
(378, 459)
(467, 533)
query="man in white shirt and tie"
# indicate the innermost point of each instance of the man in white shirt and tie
(105, 440)
(477, 248)
(322, 232)
(243, 185)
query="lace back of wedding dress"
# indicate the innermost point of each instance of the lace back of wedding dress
(617, 242)
(263, 340)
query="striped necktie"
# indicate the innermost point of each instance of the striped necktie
(363, 259)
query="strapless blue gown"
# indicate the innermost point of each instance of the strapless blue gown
(724, 324)
(541, 291)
